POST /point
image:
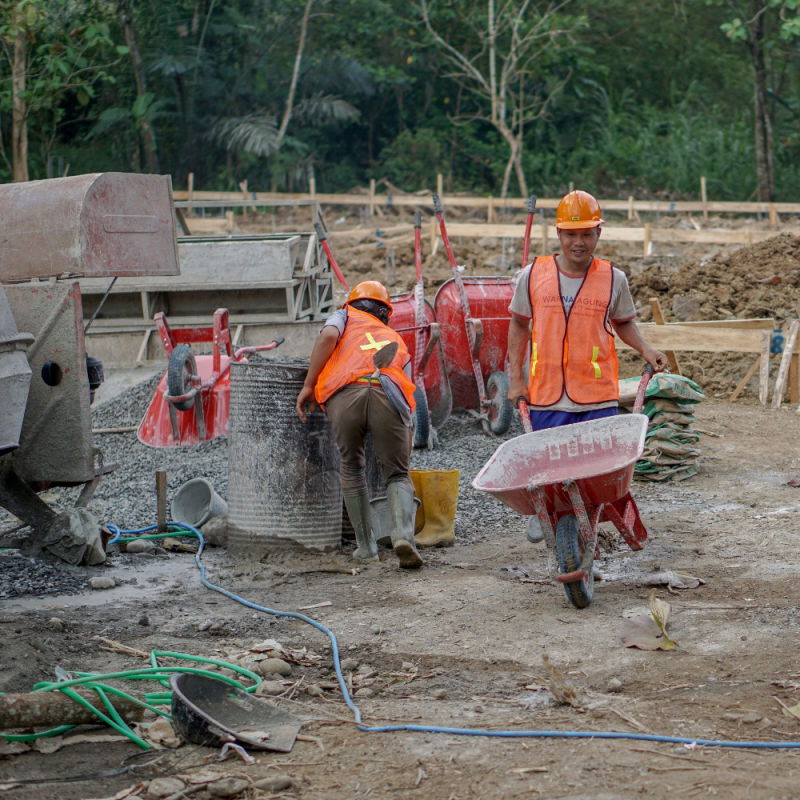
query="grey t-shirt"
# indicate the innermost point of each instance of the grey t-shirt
(621, 309)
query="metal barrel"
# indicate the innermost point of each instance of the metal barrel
(284, 487)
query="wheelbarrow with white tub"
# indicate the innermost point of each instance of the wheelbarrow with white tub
(573, 478)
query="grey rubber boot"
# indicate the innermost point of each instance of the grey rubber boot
(357, 505)
(533, 530)
(403, 511)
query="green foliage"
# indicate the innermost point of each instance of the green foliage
(651, 100)
(413, 159)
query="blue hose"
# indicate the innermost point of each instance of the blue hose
(642, 737)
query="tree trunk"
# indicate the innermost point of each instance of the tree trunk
(145, 127)
(287, 114)
(514, 163)
(765, 176)
(19, 110)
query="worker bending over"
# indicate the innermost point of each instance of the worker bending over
(567, 307)
(342, 379)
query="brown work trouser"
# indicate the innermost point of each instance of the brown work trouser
(357, 409)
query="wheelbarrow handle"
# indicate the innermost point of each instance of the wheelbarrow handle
(647, 373)
(437, 204)
(321, 235)
(417, 219)
(525, 417)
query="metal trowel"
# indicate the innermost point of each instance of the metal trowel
(383, 358)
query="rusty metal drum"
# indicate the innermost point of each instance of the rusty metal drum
(284, 488)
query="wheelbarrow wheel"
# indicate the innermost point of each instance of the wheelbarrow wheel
(180, 368)
(500, 409)
(422, 420)
(569, 553)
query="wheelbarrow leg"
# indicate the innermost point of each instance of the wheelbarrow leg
(587, 527)
(545, 520)
(624, 513)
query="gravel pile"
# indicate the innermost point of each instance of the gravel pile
(20, 576)
(126, 497)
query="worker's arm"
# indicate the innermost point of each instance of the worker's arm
(323, 347)
(630, 334)
(519, 334)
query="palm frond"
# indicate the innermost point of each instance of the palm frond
(325, 107)
(255, 133)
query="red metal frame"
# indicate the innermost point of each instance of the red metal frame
(483, 352)
(163, 424)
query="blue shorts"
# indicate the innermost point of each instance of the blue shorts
(555, 419)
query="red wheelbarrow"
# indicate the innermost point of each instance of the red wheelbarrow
(473, 315)
(197, 384)
(573, 478)
(414, 319)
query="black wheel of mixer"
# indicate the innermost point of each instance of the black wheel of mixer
(569, 551)
(180, 369)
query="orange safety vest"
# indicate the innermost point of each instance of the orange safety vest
(352, 357)
(573, 353)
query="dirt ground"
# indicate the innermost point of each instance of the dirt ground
(462, 643)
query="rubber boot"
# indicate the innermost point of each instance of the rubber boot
(402, 509)
(438, 490)
(357, 505)
(533, 530)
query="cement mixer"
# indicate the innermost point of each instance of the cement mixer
(54, 231)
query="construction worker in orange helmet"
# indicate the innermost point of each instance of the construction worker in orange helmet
(342, 380)
(566, 308)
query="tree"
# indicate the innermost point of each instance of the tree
(143, 99)
(258, 132)
(769, 30)
(507, 64)
(53, 53)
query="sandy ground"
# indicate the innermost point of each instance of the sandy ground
(461, 644)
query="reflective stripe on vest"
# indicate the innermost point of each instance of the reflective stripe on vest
(572, 353)
(364, 335)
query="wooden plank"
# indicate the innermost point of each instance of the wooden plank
(145, 339)
(658, 318)
(161, 500)
(233, 199)
(783, 369)
(763, 379)
(182, 221)
(617, 234)
(744, 381)
(762, 323)
(674, 336)
(794, 379)
(704, 197)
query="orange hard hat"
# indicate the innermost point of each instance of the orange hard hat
(578, 209)
(370, 290)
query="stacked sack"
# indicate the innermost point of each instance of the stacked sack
(670, 448)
